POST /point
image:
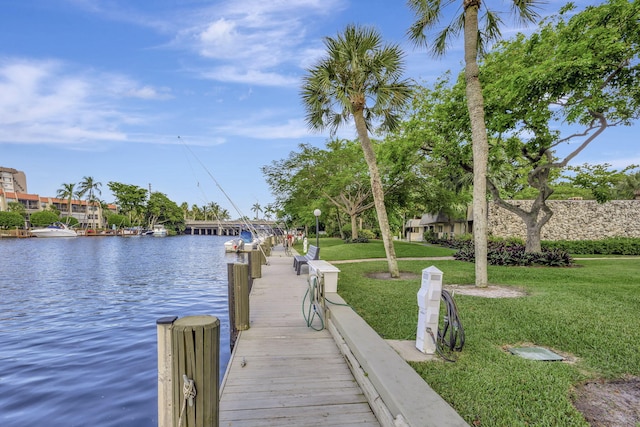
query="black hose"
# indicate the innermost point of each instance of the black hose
(451, 335)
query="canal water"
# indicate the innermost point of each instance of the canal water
(78, 323)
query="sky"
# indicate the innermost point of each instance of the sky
(190, 98)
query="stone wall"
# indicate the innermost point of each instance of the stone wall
(572, 220)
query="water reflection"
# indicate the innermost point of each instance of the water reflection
(77, 323)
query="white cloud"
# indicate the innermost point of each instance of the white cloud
(44, 101)
(255, 128)
(251, 76)
(254, 41)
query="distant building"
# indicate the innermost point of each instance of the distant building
(13, 180)
(573, 219)
(14, 189)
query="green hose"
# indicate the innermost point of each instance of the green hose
(311, 312)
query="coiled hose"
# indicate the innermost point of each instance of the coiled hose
(451, 335)
(310, 312)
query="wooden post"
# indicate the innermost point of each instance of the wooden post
(241, 296)
(165, 400)
(255, 260)
(233, 330)
(196, 343)
(266, 249)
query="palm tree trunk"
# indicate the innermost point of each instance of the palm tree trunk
(378, 193)
(475, 105)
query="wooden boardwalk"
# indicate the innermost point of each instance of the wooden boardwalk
(283, 373)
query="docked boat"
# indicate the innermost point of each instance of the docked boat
(159, 231)
(234, 245)
(246, 242)
(57, 229)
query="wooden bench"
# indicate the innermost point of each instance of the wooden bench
(299, 260)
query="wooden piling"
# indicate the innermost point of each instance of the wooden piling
(195, 348)
(255, 261)
(241, 296)
(233, 330)
(165, 399)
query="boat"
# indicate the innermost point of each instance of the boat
(159, 231)
(246, 242)
(234, 245)
(57, 229)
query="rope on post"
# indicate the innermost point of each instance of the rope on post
(189, 392)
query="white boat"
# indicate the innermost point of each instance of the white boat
(159, 231)
(234, 245)
(57, 229)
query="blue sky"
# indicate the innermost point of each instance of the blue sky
(187, 96)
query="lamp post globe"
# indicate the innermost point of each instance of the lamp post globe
(317, 213)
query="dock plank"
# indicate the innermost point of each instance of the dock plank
(283, 373)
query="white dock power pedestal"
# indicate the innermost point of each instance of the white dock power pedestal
(429, 310)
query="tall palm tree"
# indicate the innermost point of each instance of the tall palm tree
(428, 15)
(629, 186)
(67, 192)
(359, 79)
(256, 208)
(90, 187)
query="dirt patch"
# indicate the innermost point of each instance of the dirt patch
(492, 291)
(384, 275)
(610, 403)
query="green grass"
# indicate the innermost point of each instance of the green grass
(589, 312)
(333, 249)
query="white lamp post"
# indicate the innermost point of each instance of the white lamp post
(317, 213)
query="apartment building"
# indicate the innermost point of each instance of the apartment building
(14, 189)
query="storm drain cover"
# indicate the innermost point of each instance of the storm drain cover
(535, 353)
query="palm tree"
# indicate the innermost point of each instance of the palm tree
(195, 211)
(269, 210)
(256, 208)
(428, 14)
(359, 79)
(90, 186)
(67, 192)
(629, 186)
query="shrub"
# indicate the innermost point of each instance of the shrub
(503, 252)
(43, 218)
(118, 220)
(358, 240)
(609, 246)
(366, 234)
(69, 220)
(11, 220)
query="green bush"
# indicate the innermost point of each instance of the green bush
(609, 246)
(118, 220)
(358, 240)
(70, 220)
(11, 220)
(367, 234)
(43, 218)
(503, 252)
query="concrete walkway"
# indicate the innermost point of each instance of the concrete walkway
(283, 373)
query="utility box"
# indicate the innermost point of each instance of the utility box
(429, 310)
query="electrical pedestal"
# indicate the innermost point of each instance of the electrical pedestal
(429, 310)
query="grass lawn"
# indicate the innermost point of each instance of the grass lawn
(332, 249)
(589, 312)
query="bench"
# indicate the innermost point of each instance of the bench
(299, 260)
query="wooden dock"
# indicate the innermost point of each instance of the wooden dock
(283, 373)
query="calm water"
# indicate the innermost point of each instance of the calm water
(77, 323)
